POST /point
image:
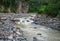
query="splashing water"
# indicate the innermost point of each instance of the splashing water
(35, 32)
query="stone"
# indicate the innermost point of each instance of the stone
(49, 22)
(34, 39)
(35, 27)
(9, 32)
(39, 34)
(3, 18)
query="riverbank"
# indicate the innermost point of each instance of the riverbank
(8, 29)
(53, 23)
(11, 31)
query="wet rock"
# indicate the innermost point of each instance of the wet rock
(15, 19)
(3, 18)
(9, 31)
(27, 20)
(35, 27)
(49, 22)
(39, 34)
(34, 39)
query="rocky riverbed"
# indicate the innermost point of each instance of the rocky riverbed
(8, 29)
(53, 23)
(36, 32)
(11, 31)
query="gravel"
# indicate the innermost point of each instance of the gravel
(9, 31)
(53, 23)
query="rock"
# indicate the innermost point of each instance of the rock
(49, 22)
(10, 37)
(27, 20)
(3, 18)
(35, 27)
(34, 39)
(15, 19)
(9, 31)
(39, 34)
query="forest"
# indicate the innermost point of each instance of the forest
(49, 7)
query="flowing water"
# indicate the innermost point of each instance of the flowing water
(35, 32)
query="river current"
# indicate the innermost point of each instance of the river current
(34, 32)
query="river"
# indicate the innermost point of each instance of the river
(34, 32)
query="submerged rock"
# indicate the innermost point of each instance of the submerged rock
(39, 34)
(34, 39)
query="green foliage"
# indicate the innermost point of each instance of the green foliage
(8, 4)
(33, 7)
(37, 5)
(53, 9)
(42, 8)
(49, 7)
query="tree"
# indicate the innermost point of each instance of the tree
(23, 6)
(52, 9)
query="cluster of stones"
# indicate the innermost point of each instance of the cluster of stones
(49, 22)
(9, 31)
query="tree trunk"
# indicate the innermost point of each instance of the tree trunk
(9, 10)
(19, 7)
(25, 7)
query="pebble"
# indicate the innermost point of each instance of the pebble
(9, 32)
(49, 22)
